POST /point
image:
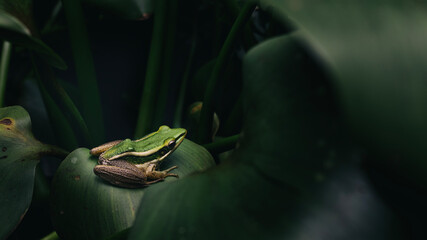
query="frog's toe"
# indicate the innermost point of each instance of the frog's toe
(170, 169)
(166, 172)
(161, 174)
(154, 181)
(172, 175)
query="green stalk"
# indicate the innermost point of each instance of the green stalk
(168, 56)
(205, 127)
(4, 67)
(217, 30)
(179, 109)
(62, 121)
(61, 128)
(51, 236)
(54, 16)
(149, 93)
(222, 145)
(85, 69)
(54, 151)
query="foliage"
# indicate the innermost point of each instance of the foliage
(306, 118)
(20, 154)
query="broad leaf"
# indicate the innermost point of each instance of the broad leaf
(292, 141)
(19, 156)
(17, 27)
(377, 52)
(86, 207)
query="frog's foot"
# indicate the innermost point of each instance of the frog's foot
(161, 175)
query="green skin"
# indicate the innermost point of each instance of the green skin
(131, 164)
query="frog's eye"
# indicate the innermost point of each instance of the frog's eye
(171, 144)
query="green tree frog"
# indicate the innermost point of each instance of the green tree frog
(134, 164)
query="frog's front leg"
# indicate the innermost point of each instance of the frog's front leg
(96, 151)
(123, 174)
(153, 174)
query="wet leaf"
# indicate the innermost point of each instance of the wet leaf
(19, 155)
(86, 207)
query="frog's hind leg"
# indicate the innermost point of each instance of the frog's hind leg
(160, 175)
(96, 151)
(123, 174)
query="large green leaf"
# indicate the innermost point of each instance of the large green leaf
(377, 52)
(19, 156)
(276, 184)
(17, 27)
(127, 9)
(22, 10)
(86, 207)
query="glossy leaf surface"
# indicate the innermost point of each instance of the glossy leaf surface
(292, 141)
(19, 155)
(377, 52)
(86, 207)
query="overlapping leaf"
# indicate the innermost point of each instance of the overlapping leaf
(86, 207)
(18, 158)
(17, 27)
(291, 142)
(377, 51)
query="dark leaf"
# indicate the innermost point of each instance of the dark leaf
(19, 155)
(17, 26)
(86, 207)
(271, 186)
(377, 51)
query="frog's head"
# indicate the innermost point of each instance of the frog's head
(156, 145)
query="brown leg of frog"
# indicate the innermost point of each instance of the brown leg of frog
(123, 174)
(104, 147)
(159, 175)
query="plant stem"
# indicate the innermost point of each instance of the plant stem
(4, 67)
(85, 69)
(51, 236)
(51, 22)
(146, 106)
(54, 96)
(206, 116)
(51, 150)
(182, 91)
(168, 56)
(222, 145)
(62, 129)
